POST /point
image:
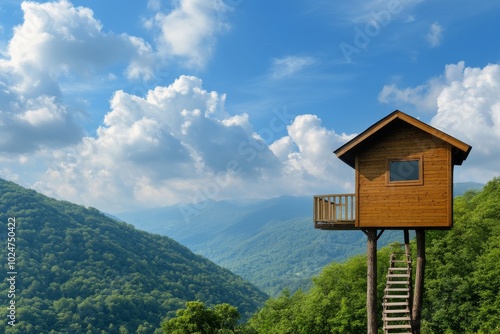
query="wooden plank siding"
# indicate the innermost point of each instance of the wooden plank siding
(398, 205)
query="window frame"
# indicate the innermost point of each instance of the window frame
(417, 182)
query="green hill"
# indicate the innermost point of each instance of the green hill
(79, 271)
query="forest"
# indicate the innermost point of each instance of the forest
(80, 271)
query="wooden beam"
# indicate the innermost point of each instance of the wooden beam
(416, 313)
(371, 285)
(406, 234)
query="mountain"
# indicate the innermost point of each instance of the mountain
(272, 243)
(76, 270)
(461, 188)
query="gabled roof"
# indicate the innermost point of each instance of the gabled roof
(349, 150)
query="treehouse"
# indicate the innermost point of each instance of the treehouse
(404, 178)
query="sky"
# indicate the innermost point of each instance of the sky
(125, 105)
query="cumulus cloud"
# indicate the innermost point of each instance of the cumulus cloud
(435, 35)
(188, 31)
(467, 106)
(173, 142)
(58, 38)
(423, 96)
(306, 153)
(178, 144)
(55, 44)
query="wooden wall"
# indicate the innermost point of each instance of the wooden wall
(427, 205)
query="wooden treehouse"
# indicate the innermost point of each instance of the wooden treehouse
(403, 180)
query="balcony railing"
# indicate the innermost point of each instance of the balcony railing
(334, 212)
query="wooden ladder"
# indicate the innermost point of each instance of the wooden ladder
(397, 294)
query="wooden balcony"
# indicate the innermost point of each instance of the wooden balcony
(334, 212)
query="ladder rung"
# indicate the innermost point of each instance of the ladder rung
(397, 326)
(394, 303)
(398, 283)
(396, 296)
(398, 268)
(397, 289)
(398, 275)
(396, 318)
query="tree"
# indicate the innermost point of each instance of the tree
(196, 318)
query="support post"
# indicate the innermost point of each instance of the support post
(406, 234)
(371, 286)
(416, 313)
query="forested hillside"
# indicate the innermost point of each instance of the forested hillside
(79, 271)
(272, 243)
(462, 281)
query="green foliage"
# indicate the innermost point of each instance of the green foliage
(196, 318)
(336, 303)
(463, 274)
(80, 271)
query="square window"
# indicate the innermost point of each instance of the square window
(404, 172)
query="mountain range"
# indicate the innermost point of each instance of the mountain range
(272, 243)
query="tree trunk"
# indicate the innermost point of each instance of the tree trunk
(416, 313)
(371, 286)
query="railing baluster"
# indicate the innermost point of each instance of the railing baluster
(334, 208)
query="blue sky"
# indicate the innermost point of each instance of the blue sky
(123, 105)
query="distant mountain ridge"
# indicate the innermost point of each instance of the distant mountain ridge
(460, 188)
(271, 243)
(80, 271)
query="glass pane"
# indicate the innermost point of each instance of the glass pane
(407, 170)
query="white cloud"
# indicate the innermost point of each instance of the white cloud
(189, 30)
(467, 103)
(290, 65)
(308, 159)
(423, 96)
(178, 144)
(154, 4)
(435, 35)
(57, 45)
(57, 38)
(172, 142)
